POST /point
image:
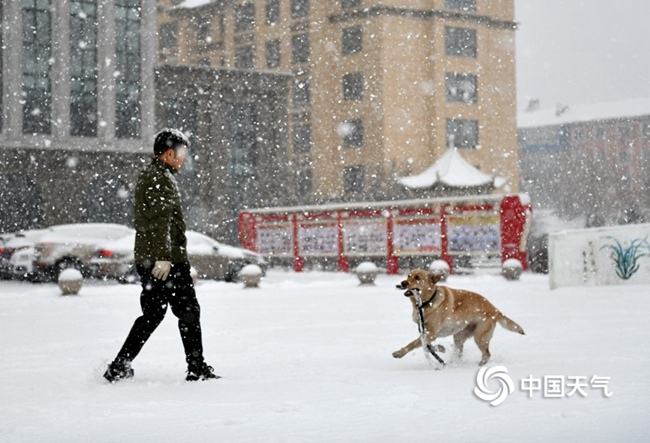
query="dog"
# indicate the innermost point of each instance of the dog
(456, 312)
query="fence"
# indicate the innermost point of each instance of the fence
(600, 256)
(456, 230)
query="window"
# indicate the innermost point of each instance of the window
(302, 138)
(304, 182)
(37, 51)
(273, 57)
(624, 132)
(350, 3)
(127, 68)
(245, 57)
(83, 68)
(462, 133)
(272, 8)
(221, 22)
(241, 136)
(301, 94)
(460, 87)
(462, 5)
(352, 132)
(353, 86)
(1, 46)
(299, 8)
(244, 17)
(204, 33)
(300, 51)
(168, 35)
(353, 179)
(351, 40)
(460, 42)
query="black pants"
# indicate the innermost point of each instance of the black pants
(177, 291)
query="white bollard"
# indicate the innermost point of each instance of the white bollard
(70, 281)
(367, 273)
(511, 269)
(441, 268)
(251, 275)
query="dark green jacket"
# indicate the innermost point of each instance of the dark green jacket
(159, 223)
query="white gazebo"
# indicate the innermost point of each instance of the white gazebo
(451, 174)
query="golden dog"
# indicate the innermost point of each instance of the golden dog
(456, 312)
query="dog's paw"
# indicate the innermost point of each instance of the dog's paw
(399, 354)
(439, 348)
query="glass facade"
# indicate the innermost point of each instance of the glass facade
(128, 74)
(83, 68)
(37, 54)
(1, 46)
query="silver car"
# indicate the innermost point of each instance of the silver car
(210, 258)
(76, 246)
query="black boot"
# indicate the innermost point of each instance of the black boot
(118, 370)
(201, 372)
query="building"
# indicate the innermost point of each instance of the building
(589, 161)
(82, 97)
(76, 108)
(237, 122)
(380, 89)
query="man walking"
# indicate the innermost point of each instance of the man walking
(161, 261)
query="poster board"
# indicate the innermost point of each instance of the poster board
(474, 232)
(275, 237)
(417, 236)
(365, 236)
(318, 237)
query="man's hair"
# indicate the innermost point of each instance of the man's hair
(169, 138)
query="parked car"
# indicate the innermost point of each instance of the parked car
(210, 258)
(218, 261)
(105, 250)
(75, 246)
(17, 253)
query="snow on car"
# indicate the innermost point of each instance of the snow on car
(211, 259)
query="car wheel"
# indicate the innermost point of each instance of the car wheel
(69, 263)
(232, 274)
(130, 276)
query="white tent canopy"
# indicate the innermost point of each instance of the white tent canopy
(451, 169)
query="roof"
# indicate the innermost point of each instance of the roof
(451, 169)
(584, 113)
(193, 3)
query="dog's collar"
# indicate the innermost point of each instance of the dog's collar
(428, 302)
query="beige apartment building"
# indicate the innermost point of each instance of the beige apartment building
(380, 89)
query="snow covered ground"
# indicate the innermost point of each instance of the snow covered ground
(307, 358)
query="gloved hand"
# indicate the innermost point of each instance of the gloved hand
(161, 269)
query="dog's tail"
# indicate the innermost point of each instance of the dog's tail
(510, 325)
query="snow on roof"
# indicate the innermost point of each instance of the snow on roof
(582, 113)
(193, 4)
(451, 169)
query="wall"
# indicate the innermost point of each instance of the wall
(586, 257)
